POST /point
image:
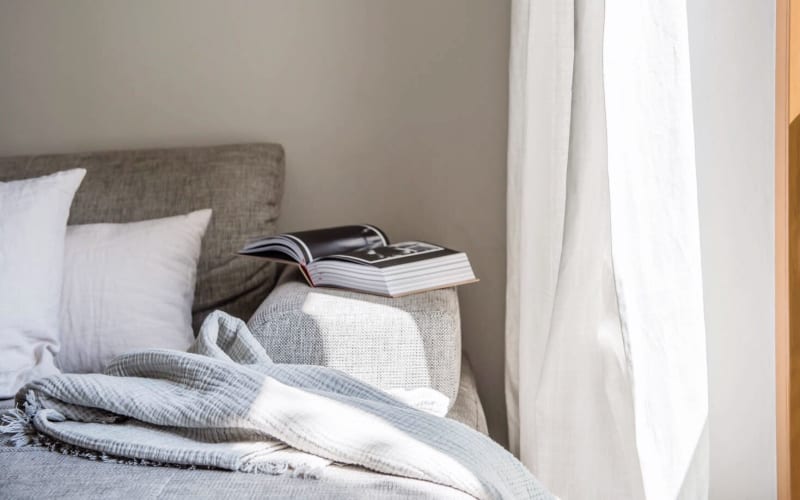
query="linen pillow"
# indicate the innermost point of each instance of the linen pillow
(33, 219)
(128, 286)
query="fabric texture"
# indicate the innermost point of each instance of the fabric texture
(35, 472)
(225, 404)
(407, 342)
(242, 183)
(468, 408)
(606, 355)
(128, 287)
(33, 220)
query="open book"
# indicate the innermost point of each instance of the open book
(361, 258)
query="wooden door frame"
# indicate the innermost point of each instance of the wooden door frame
(787, 250)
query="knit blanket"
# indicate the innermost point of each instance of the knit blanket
(225, 404)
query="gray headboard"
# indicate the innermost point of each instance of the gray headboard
(242, 183)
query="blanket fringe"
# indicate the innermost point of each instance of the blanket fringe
(277, 468)
(308, 472)
(16, 427)
(17, 430)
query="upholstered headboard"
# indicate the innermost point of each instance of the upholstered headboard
(242, 183)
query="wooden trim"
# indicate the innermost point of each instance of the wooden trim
(784, 250)
(790, 24)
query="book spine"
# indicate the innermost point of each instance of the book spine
(306, 275)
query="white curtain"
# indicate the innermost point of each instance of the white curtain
(606, 357)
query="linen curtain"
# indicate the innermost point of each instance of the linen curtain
(606, 379)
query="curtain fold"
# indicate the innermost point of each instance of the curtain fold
(606, 378)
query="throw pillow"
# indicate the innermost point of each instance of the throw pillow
(128, 286)
(33, 219)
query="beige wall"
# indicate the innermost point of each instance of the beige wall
(733, 75)
(391, 112)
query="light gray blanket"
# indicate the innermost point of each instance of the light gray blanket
(225, 404)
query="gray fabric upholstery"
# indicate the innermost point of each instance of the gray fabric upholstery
(468, 408)
(36, 474)
(406, 342)
(243, 184)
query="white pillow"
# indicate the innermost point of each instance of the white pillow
(127, 287)
(33, 219)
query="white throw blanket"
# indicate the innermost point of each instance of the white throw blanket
(225, 404)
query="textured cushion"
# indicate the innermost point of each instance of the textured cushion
(242, 183)
(40, 474)
(33, 220)
(407, 342)
(468, 408)
(128, 287)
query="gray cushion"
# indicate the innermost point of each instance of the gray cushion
(407, 342)
(243, 184)
(37, 474)
(468, 408)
